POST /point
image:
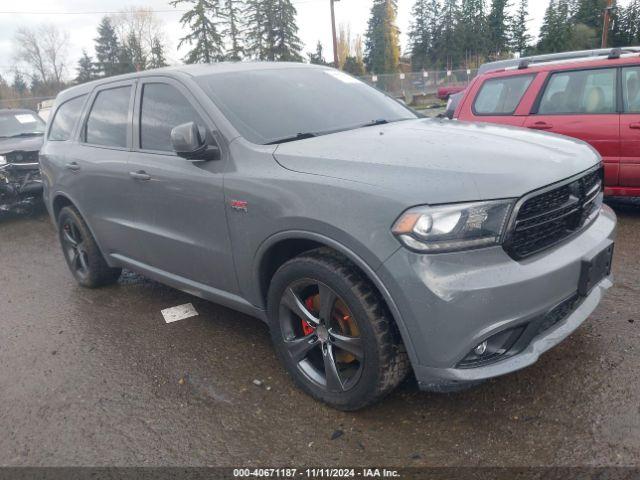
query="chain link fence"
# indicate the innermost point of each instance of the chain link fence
(416, 86)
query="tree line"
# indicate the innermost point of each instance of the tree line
(464, 33)
(444, 34)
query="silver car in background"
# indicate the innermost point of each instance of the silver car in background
(373, 242)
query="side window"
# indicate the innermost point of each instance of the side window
(501, 96)
(163, 107)
(108, 120)
(631, 89)
(65, 119)
(583, 92)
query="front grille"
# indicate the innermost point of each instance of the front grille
(546, 219)
(20, 156)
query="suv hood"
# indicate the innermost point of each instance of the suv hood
(26, 144)
(438, 161)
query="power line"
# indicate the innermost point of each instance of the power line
(109, 12)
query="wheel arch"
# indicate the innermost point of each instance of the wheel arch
(62, 200)
(284, 246)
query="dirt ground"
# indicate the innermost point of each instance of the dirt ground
(95, 377)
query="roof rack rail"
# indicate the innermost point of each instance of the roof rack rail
(520, 63)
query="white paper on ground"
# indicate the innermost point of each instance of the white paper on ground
(180, 312)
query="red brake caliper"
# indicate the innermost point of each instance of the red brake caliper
(307, 329)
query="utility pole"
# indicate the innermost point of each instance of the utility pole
(607, 23)
(335, 38)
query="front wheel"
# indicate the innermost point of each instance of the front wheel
(333, 332)
(82, 253)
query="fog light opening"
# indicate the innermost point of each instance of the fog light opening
(492, 349)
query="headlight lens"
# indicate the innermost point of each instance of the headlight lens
(450, 228)
(3, 160)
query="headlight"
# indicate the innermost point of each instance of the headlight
(450, 228)
(3, 160)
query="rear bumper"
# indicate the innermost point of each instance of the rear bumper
(450, 303)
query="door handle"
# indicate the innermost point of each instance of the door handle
(140, 175)
(73, 166)
(541, 126)
(634, 126)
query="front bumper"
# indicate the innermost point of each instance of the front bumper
(449, 303)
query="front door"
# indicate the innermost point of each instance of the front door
(583, 104)
(179, 204)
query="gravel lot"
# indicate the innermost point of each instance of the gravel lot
(97, 378)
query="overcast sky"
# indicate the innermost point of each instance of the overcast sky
(313, 21)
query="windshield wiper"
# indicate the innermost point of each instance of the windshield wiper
(297, 136)
(375, 123)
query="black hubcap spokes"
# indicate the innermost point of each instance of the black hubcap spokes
(321, 335)
(74, 248)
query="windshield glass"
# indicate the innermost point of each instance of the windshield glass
(267, 106)
(15, 124)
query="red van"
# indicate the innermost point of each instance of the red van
(595, 99)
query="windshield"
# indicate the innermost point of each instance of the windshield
(268, 106)
(20, 123)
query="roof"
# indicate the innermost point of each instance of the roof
(196, 70)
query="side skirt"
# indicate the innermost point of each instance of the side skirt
(188, 286)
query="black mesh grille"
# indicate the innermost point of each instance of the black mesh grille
(20, 156)
(550, 217)
(556, 315)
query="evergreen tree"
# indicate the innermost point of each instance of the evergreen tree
(472, 30)
(590, 13)
(420, 42)
(232, 30)
(626, 30)
(447, 44)
(107, 49)
(354, 66)
(202, 22)
(136, 53)
(19, 84)
(255, 14)
(498, 28)
(157, 58)
(520, 38)
(125, 60)
(286, 44)
(556, 31)
(382, 45)
(317, 57)
(86, 68)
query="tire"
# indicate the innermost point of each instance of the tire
(345, 327)
(84, 259)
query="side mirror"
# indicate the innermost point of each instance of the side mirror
(194, 144)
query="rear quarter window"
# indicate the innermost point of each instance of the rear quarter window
(65, 119)
(501, 96)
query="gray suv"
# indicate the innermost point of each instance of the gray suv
(373, 242)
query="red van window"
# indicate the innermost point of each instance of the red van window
(580, 92)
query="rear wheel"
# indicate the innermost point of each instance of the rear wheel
(333, 332)
(82, 253)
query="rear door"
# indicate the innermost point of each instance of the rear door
(179, 204)
(99, 161)
(630, 128)
(583, 104)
